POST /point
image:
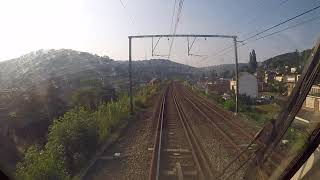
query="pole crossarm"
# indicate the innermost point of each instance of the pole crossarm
(182, 35)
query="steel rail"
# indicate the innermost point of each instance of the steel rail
(227, 119)
(156, 156)
(214, 124)
(200, 155)
(253, 138)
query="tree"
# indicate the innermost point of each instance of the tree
(213, 75)
(253, 61)
(226, 73)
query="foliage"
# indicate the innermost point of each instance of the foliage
(278, 87)
(110, 114)
(253, 61)
(292, 59)
(42, 164)
(77, 133)
(213, 75)
(74, 137)
(86, 97)
(140, 99)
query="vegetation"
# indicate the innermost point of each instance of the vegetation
(253, 61)
(293, 59)
(74, 138)
(247, 108)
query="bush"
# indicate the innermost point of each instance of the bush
(229, 105)
(140, 99)
(110, 114)
(77, 133)
(74, 137)
(38, 165)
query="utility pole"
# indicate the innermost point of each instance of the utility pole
(130, 77)
(237, 74)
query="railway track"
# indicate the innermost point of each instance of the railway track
(233, 132)
(235, 136)
(177, 153)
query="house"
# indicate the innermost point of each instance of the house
(291, 80)
(248, 84)
(260, 74)
(293, 70)
(269, 76)
(312, 103)
(263, 87)
(315, 90)
(219, 86)
(279, 77)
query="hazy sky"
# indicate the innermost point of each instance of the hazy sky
(102, 27)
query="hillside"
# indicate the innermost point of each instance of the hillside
(292, 59)
(38, 87)
(223, 69)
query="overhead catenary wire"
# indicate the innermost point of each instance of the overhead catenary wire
(174, 10)
(290, 27)
(258, 6)
(128, 14)
(281, 23)
(245, 41)
(176, 25)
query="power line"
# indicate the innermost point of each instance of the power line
(257, 17)
(259, 5)
(176, 25)
(283, 2)
(228, 48)
(127, 12)
(283, 22)
(174, 10)
(290, 27)
(276, 32)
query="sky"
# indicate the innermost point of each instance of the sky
(102, 27)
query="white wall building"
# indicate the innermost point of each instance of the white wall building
(248, 84)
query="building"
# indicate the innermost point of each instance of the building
(279, 77)
(248, 85)
(269, 76)
(315, 90)
(312, 103)
(291, 78)
(219, 86)
(291, 81)
(263, 87)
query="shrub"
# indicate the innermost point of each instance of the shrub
(74, 137)
(39, 164)
(77, 133)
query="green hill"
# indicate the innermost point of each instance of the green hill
(291, 59)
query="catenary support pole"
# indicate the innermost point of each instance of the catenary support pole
(237, 74)
(130, 77)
